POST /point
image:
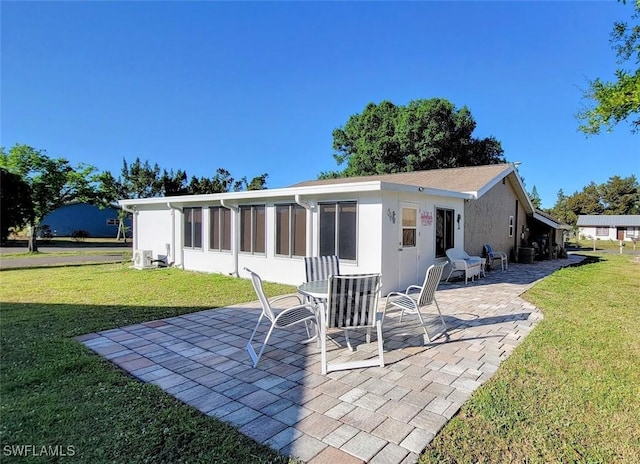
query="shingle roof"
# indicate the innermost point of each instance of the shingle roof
(467, 179)
(609, 220)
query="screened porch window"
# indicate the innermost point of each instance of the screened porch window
(219, 228)
(291, 230)
(193, 227)
(252, 229)
(338, 234)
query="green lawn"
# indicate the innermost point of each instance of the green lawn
(56, 392)
(571, 391)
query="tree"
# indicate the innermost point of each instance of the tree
(621, 195)
(16, 207)
(425, 134)
(617, 100)
(141, 180)
(52, 182)
(616, 196)
(535, 198)
(223, 182)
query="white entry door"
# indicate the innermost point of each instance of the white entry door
(408, 245)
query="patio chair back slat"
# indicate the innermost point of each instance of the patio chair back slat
(321, 267)
(353, 300)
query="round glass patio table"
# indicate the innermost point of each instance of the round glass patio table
(317, 289)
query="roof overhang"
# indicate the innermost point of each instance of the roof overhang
(291, 192)
(550, 222)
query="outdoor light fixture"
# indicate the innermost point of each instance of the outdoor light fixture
(459, 218)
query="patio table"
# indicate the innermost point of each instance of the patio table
(317, 289)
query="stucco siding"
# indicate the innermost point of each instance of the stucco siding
(152, 231)
(487, 220)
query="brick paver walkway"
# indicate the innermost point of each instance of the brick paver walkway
(376, 415)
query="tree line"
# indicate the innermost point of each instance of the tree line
(619, 195)
(33, 184)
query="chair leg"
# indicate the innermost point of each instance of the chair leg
(249, 346)
(264, 345)
(323, 347)
(380, 342)
(444, 325)
(346, 338)
(450, 272)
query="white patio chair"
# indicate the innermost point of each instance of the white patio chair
(301, 313)
(416, 297)
(352, 304)
(493, 255)
(460, 261)
(321, 267)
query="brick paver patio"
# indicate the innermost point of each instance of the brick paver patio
(376, 415)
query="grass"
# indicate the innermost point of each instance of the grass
(56, 392)
(571, 391)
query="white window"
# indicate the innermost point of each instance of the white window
(219, 228)
(409, 227)
(602, 231)
(338, 234)
(252, 229)
(291, 230)
(193, 227)
(633, 232)
(511, 226)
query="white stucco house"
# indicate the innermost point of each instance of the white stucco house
(609, 227)
(394, 224)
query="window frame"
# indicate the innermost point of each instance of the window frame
(511, 226)
(599, 231)
(411, 237)
(254, 234)
(189, 219)
(338, 249)
(224, 229)
(291, 231)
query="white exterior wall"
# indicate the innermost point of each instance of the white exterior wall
(590, 233)
(377, 237)
(426, 234)
(152, 231)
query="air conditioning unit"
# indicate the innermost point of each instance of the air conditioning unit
(142, 259)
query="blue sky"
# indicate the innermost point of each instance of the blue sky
(259, 87)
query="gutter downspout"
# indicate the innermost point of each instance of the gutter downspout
(306, 205)
(173, 235)
(134, 225)
(235, 244)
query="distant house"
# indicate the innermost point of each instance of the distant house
(394, 224)
(99, 223)
(609, 227)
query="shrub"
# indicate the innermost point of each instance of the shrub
(79, 235)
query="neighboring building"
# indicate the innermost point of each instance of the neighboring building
(395, 224)
(98, 223)
(609, 227)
